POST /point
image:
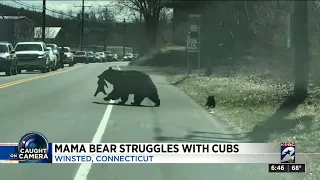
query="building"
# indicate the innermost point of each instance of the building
(15, 29)
(53, 35)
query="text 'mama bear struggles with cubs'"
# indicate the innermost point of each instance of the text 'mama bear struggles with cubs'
(125, 83)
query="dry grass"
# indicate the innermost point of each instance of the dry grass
(253, 97)
(247, 107)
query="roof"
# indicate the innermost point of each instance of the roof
(37, 42)
(50, 32)
(14, 18)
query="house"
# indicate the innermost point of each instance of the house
(15, 29)
(53, 35)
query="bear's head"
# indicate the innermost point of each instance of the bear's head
(111, 75)
(108, 75)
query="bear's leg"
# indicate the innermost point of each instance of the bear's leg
(124, 99)
(137, 100)
(111, 96)
(107, 98)
(155, 98)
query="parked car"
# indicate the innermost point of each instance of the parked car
(114, 57)
(66, 56)
(56, 52)
(103, 56)
(135, 56)
(90, 56)
(128, 57)
(32, 56)
(53, 59)
(8, 59)
(109, 56)
(81, 57)
(97, 57)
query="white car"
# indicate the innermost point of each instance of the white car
(32, 56)
(97, 57)
(103, 56)
(128, 57)
(53, 59)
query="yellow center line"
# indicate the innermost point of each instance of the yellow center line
(36, 77)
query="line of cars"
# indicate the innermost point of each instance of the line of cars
(33, 56)
(26, 56)
(48, 57)
(102, 56)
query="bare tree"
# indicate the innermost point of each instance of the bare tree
(23, 31)
(70, 13)
(61, 15)
(150, 9)
(93, 14)
(104, 14)
(164, 21)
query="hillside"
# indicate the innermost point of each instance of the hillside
(68, 25)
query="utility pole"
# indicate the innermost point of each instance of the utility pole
(140, 29)
(82, 24)
(43, 20)
(124, 37)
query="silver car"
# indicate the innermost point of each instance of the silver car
(53, 59)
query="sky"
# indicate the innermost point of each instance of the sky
(65, 5)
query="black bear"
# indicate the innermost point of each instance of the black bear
(211, 102)
(128, 82)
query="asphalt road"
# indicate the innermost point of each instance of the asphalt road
(61, 105)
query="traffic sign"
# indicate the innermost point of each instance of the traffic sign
(193, 45)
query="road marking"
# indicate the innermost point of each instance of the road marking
(84, 168)
(34, 78)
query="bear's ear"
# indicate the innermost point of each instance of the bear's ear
(110, 68)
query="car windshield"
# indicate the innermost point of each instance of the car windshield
(65, 49)
(90, 53)
(28, 47)
(128, 54)
(52, 46)
(3, 48)
(108, 52)
(80, 53)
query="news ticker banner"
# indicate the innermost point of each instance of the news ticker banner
(34, 148)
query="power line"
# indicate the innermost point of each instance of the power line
(54, 11)
(40, 8)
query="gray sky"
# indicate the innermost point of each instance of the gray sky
(65, 5)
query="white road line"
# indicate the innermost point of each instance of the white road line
(84, 168)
